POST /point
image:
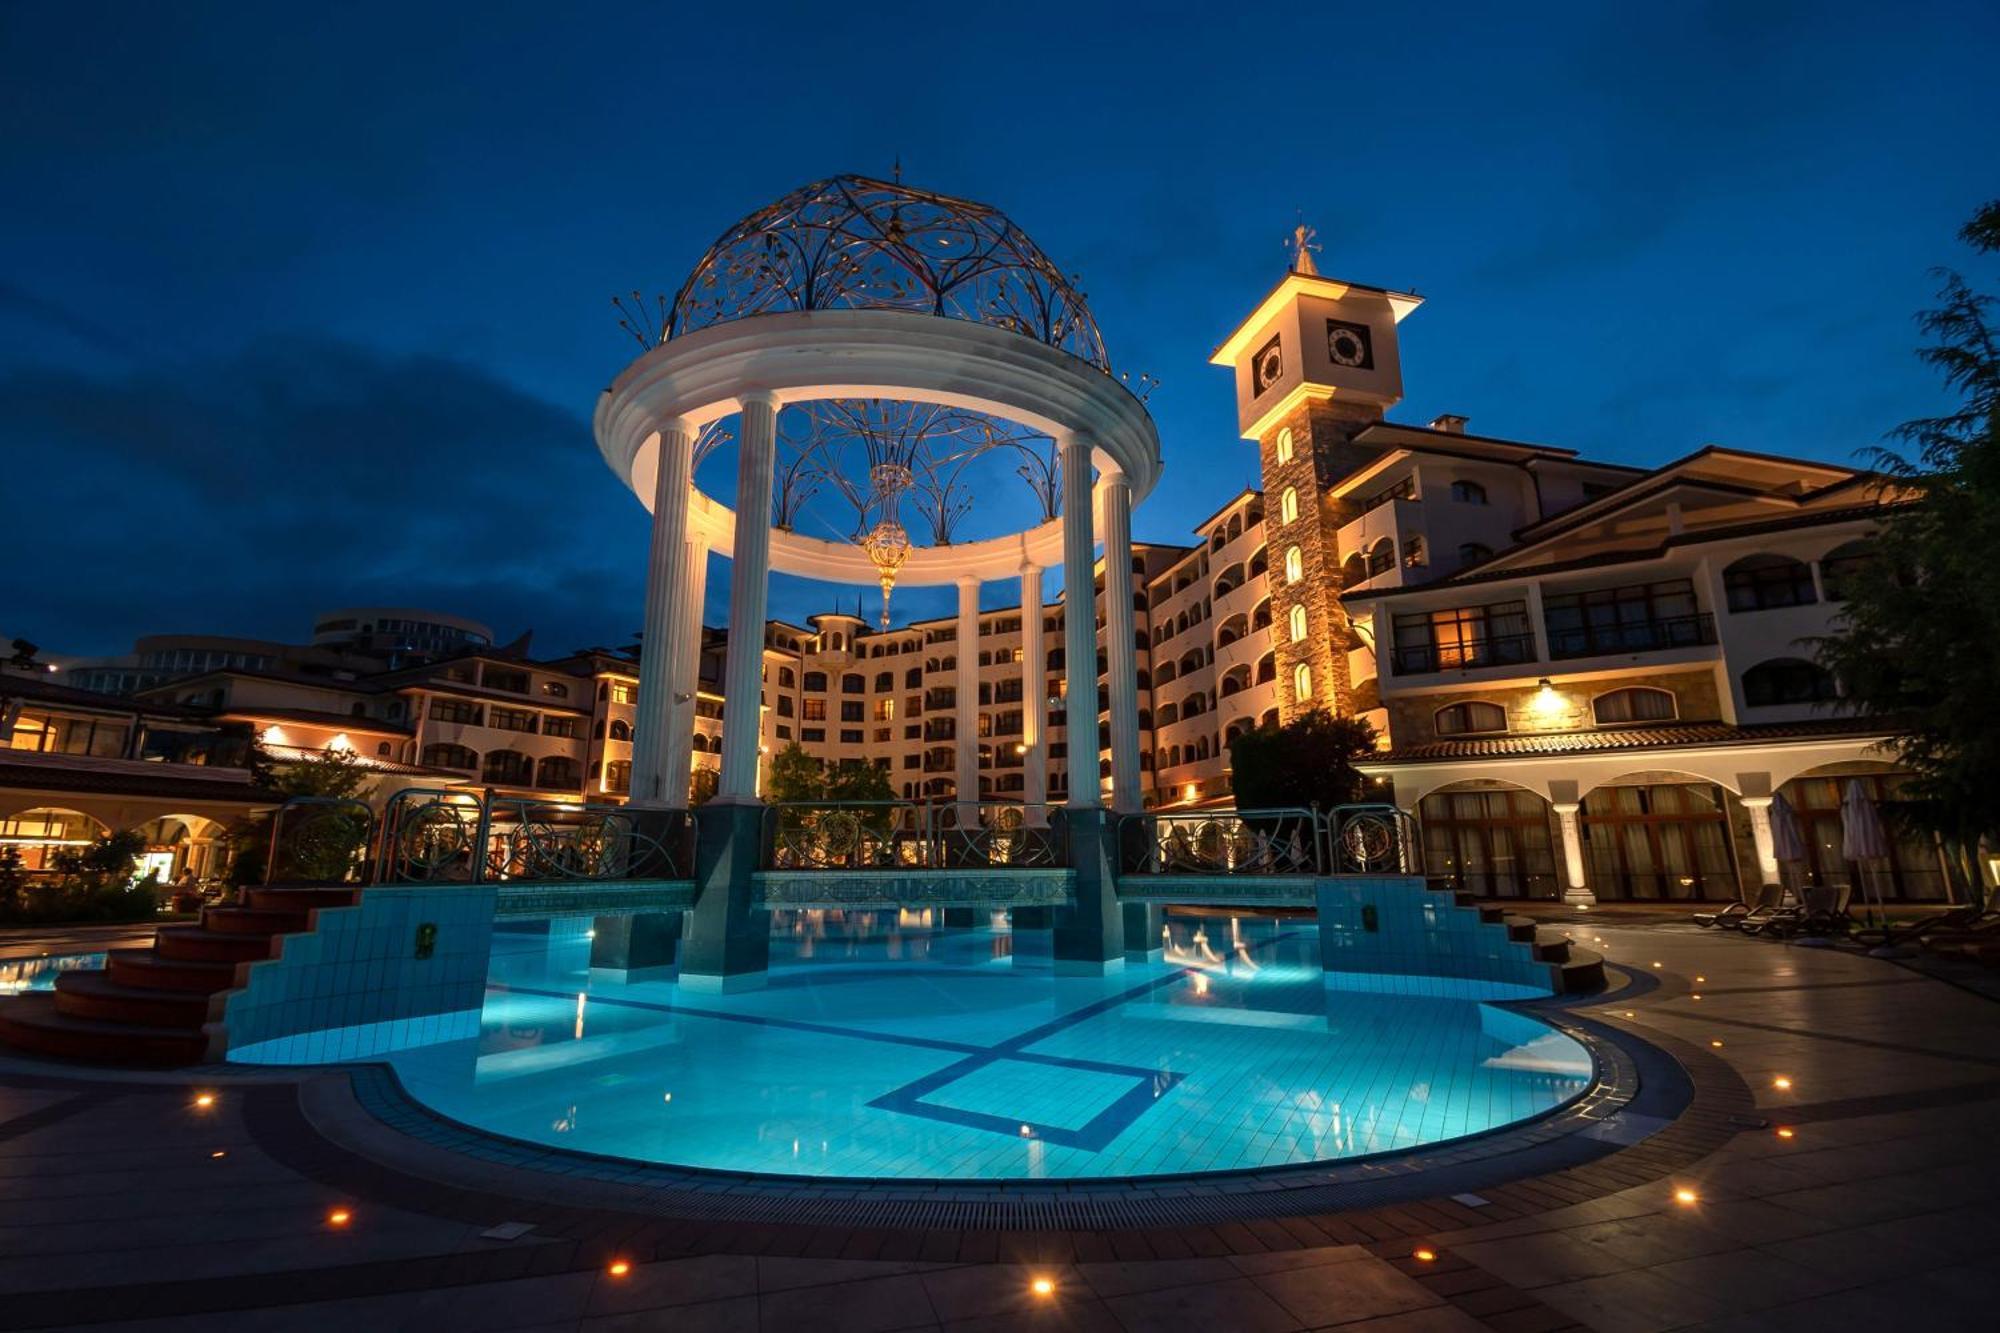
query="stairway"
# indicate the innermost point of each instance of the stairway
(1572, 970)
(151, 1006)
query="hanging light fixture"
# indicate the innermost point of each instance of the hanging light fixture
(888, 542)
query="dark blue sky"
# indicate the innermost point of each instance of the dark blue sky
(309, 305)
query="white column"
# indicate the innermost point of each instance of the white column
(1034, 698)
(1576, 892)
(749, 593)
(1760, 833)
(966, 711)
(1079, 624)
(678, 760)
(1120, 651)
(660, 647)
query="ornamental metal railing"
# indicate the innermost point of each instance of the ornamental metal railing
(439, 835)
(1637, 636)
(1347, 840)
(319, 840)
(910, 835)
(1416, 659)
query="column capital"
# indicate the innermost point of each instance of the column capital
(1565, 807)
(1756, 802)
(1115, 476)
(1029, 569)
(968, 580)
(761, 397)
(678, 425)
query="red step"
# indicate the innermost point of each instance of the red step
(294, 898)
(32, 1023)
(253, 921)
(197, 945)
(147, 970)
(95, 996)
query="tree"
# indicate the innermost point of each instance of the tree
(1308, 762)
(858, 780)
(337, 774)
(320, 844)
(795, 776)
(1914, 643)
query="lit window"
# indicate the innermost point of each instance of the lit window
(1285, 445)
(1288, 505)
(1295, 565)
(1298, 623)
(1302, 681)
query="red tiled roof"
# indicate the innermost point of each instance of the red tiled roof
(124, 777)
(1691, 735)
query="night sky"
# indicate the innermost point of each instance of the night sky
(302, 308)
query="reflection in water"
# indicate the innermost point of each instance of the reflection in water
(19, 975)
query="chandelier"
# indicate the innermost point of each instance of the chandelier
(888, 542)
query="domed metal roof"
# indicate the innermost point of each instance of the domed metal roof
(851, 242)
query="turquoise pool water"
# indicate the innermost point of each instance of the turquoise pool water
(18, 975)
(889, 1048)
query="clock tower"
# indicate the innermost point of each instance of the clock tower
(1315, 363)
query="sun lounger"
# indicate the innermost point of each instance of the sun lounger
(1729, 918)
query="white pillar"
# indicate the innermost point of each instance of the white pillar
(660, 647)
(749, 593)
(1079, 624)
(966, 710)
(1034, 698)
(1575, 892)
(678, 760)
(1760, 833)
(1120, 649)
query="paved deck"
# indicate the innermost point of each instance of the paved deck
(1878, 1207)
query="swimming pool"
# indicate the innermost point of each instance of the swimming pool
(888, 1047)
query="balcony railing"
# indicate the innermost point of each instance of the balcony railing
(1639, 636)
(1416, 659)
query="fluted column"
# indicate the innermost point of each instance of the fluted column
(1034, 699)
(1079, 624)
(749, 594)
(678, 760)
(661, 647)
(1575, 890)
(1120, 652)
(966, 711)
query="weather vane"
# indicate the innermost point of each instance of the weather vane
(1304, 240)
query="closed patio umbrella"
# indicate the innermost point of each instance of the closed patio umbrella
(1787, 844)
(1863, 840)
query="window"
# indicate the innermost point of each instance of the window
(852, 710)
(1413, 550)
(1381, 557)
(1295, 564)
(621, 730)
(1468, 492)
(559, 772)
(455, 710)
(816, 680)
(507, 768)
(559, 726)
(1288, 505)
(1787, 680)
(555, 689)
(1636, 704)
(1838, 568)
(885, 710)
(814, 734)
(449, 756)
(623, 692)
(499, 678)
(1761, 582)
(1469, 718)
(1462, 637)
(618, 776)
(815, 710)
(1302, 681)
(885, 680)
(851, 737)
(854, 683)
(1471, 553)
(1492, 841)
(786, 678)
(1298, 623)
(1629, 619)
(1285, 445)
(511, 719)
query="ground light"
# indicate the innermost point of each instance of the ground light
(1423, 1254)
(619, 1267)
(218, 1154)
(1716, 1044)
(1782, 1083)
(1786, 1132)
(1686, 1198)
(1042, 1286)
(339, 1217)
(204, 1100)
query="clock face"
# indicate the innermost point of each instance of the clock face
(1266, 367)
(1349, 344)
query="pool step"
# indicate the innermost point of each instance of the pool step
(151, 1006)
(1580, 973)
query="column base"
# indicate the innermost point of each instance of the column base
(728, 934)
(1089, 967)
(732, 983)
(1579, 897)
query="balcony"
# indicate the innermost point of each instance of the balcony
(1416, 659)
(1639, 636)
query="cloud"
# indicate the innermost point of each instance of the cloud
(240, 496)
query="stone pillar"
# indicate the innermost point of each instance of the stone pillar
(661, 646)
(1120, 649)
(966, 712)
(1034, 699)
(678, 757)
(1079, 624)
(1145, 926)
(1088, 937)
(749, 592)
(1576, 891)
(1759, 808)
(634, 948)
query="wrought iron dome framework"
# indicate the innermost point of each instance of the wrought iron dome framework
(852, 242)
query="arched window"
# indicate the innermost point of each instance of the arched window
(1297, 619)
(700, 743)
(559, 772)
(1838, 567)
(621, 730)
(1285, 445)
(507, 768)
(913, 679)
(1381, 557)
(449, 756)
(1635, 704)
(1353, 571)
(1302, 681)
(1760, 582)
(618, 775)
(1295, 564)
(785, 678)
(1471, 553)
(1267, 668)
(1468, 492)
(885, 680)
(1288, 505)
(1470, 717)
(816, 680)
(854, 683)
(1788, 680)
